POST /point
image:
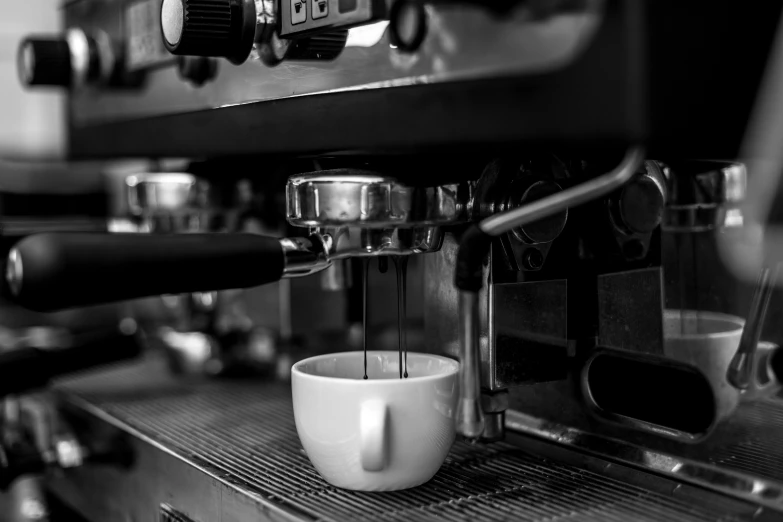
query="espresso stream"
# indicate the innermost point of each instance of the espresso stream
(365, 277)
(401, 265)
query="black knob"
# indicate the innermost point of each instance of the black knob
(44, 61)
(220, 28)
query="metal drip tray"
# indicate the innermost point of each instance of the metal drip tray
(751, 441)
(228, 451)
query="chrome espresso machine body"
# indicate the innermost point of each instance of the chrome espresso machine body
(544, 164)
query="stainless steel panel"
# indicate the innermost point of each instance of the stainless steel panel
(531, 332)
(631, 298)
(229, 451)
(463, 43)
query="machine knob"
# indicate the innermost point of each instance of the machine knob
(641, 205)
(638, 207)
(72, 60)
(544, 230)
(45, 61)
(219, 28)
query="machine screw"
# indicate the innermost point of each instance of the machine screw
(533, 259)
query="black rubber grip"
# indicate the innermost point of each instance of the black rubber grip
(66, 270)
(29, 368)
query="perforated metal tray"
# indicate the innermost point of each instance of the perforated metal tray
(752, 440)
(242, 436)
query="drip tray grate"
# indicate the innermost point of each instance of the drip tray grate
(750, 442)
(245, 433)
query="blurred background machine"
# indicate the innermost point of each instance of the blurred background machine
(577, 167)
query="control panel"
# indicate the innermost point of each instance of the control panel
(348, 75)
(302, 17)
(197, 55)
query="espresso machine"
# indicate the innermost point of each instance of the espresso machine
(565, 174)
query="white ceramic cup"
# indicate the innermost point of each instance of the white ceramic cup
(709, 341)
(380, 434)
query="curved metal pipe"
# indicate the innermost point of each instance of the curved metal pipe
(572, 197)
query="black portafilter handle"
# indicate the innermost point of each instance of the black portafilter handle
(31, 368)
(55, 271)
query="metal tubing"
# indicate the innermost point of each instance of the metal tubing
(572, 197)
(470, 419)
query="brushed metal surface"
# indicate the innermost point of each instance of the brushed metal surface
(228, 451)
(351, 197)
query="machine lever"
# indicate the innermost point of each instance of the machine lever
(48, 272)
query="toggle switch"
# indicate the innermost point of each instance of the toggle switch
(319, 8)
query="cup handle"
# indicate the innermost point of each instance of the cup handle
(372, 435)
